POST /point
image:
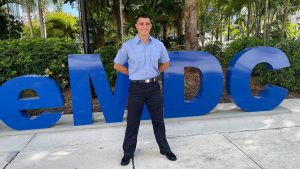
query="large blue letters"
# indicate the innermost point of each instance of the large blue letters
(88, 70)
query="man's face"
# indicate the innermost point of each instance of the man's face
(143, 26)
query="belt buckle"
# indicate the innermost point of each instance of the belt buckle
(147, 81)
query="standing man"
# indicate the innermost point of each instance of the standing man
(143, 54)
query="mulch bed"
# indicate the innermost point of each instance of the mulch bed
(191, 84)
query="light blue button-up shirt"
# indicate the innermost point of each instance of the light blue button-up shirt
(142, 58)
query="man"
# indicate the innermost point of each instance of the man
(143, 54)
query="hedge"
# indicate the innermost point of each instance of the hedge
(36, 56)
(216, 49)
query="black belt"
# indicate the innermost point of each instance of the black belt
(154, 79)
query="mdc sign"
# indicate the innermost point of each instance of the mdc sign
(87, 69)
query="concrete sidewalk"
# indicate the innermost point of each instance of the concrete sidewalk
(227, 139)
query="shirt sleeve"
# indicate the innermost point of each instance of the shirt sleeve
(164, 56)
(122, 56)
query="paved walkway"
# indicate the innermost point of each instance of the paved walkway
(229, 139)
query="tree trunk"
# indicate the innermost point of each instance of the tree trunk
(178, 24)
(266, 20)
(164, 31)
(190, 16)
(42, 19)
(285, 14)
(249, 19)
(116, 9)
(121, 21)
(219, 29)
(80, 26)
(29, 18)
(217, 33)
(9, 25)
(213, 25)
(204, 23)
(269, 21)
(221, 37)
(257, 18)
(258, 25)
(228, 29)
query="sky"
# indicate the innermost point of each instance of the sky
(67, 8)
(72, 10)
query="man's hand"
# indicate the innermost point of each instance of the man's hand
(162, 67)
(121, 68)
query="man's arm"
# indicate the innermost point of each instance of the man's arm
(164, 59)
(121, 68)
(120, 60)
(162, 67)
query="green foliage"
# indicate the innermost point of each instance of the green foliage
(9, 23)
(293, 31)
(241, 44)
(289, 77)
(58, 25)
(166, 12)
(36, 56)
(238, 45)
(216, 49)
(102, 29)
(174, 44)
(36, 29)
(107, 54)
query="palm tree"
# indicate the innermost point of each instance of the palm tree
(117, 13)
(8, 14)
(203, 13)
(266, 20)
(121, 8)
(41, 10)
(28, 5)
(190, 17)
(42, 22)
(284, 17)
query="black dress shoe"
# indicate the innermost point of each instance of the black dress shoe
(125, 160)
(171, 156)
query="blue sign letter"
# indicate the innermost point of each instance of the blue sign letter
(86, 68)
(210, 89)
(12, 111)
(239, 74)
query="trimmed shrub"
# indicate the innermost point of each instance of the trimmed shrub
(107, 54)
(216, 49)
(238, 45)
(36, 56)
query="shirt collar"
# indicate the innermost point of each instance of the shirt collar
(138, 39)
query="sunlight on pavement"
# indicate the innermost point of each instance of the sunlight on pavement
(38, 156)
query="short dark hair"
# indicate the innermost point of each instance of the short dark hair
(142, 16)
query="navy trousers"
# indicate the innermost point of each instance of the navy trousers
(140, 93)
